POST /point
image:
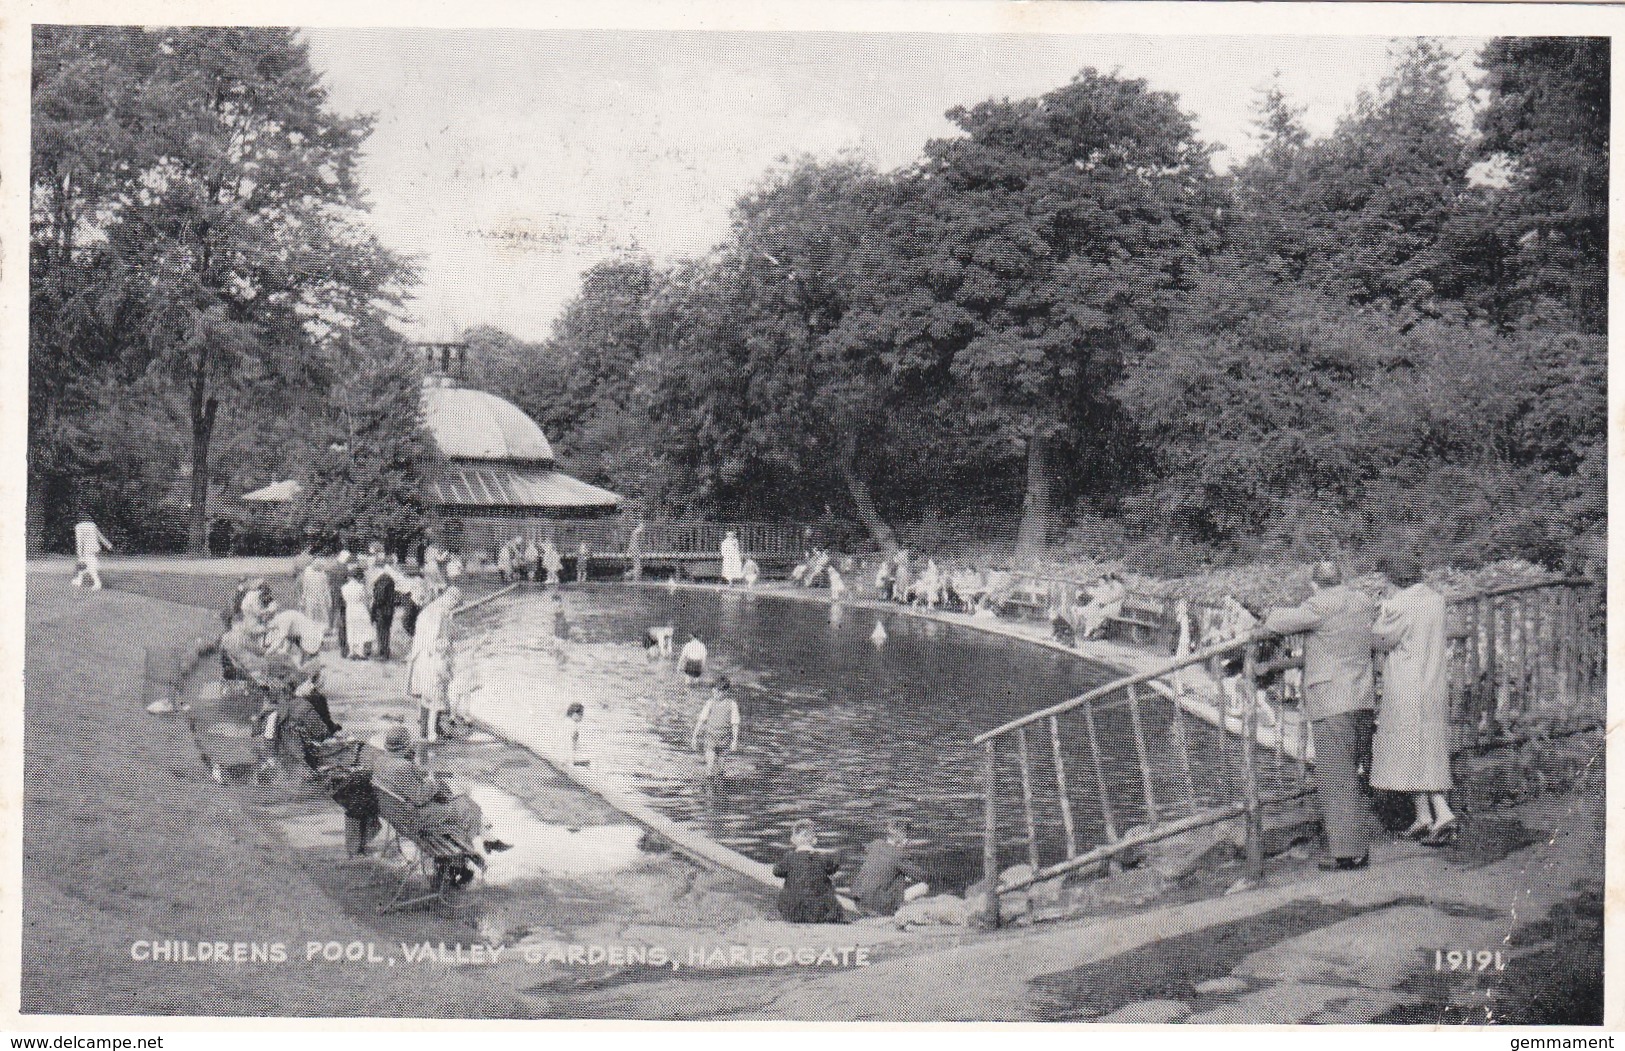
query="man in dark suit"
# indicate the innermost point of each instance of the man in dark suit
(383, 609)
(1338, 699)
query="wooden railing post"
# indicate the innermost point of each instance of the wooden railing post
(1249, 770)
(1492, 661)
(1063, 789)
(1027, 796)
(990, 833)
(1141, 754)
(1182, 739)
(1100, 773)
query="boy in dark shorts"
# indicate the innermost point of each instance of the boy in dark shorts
(718, 722)
(808, 895)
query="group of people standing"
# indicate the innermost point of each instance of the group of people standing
(1404, 743)
(358, 599)
(521, 559)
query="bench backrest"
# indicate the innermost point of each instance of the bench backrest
(403, 818)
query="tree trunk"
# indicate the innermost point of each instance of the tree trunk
(203, 413)
(862, 499)
(34, 513)
(1038, 505)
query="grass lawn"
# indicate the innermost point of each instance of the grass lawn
(126, 838)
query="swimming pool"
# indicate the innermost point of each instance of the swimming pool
(836, 728)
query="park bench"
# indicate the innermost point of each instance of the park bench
(1142, 619)
(704, 571)
(446, 861)
(1025, 601)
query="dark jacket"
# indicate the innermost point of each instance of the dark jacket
(808, 895)
(886, 872)
(383, 596)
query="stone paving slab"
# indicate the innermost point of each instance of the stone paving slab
(1376, 950)
(1289, 1003)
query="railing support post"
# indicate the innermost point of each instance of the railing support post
(990, 834)
(1249, 767)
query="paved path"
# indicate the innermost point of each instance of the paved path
(1310, 947)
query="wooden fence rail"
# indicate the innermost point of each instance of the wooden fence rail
(611, 537)
(1525, 662)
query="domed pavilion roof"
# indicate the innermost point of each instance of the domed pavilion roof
(474, 425)
(496, 460)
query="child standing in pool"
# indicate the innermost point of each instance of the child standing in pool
(561, 628)
(718, 722)
(808, 895)
(574, 715)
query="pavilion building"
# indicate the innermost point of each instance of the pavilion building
(491, 473)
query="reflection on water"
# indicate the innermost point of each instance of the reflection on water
(541, 848)
(835, 727)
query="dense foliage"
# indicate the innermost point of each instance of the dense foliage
(200, 273)
(1058, 323)
(1390, 335)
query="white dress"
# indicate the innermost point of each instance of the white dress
(358, 630)
(733, 566)
(422, 671)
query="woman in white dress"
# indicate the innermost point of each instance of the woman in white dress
(433, 623)
(1411, 749)
(429, 666)
(358, 630)
(316, 592)
(733, 566)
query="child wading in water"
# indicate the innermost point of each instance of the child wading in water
(718, 721)
(561, 629)
(574, 715)
(808, 895)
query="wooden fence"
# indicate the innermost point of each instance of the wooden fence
(611, 537)
(1526, 662)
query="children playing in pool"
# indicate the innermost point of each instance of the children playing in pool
(561, 630)
(692, 659)
(808, 895)
(574, 715)
(718, 722)
(657, 641)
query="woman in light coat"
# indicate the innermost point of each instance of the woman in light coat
(359, 634)
(316, 592)
(1411, 749)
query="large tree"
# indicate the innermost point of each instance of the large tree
(1363, 211)
(781, 347)
(231, 245)
(86, 157)
(1547, 117)
(1049, 240)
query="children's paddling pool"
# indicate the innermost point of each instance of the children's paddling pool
(836, 728)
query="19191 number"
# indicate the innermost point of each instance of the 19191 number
(1468, 960)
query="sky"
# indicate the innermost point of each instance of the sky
(507, 162)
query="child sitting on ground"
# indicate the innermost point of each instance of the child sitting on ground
(889, 875)
(808, 895)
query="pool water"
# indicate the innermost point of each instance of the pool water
(835, 727)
